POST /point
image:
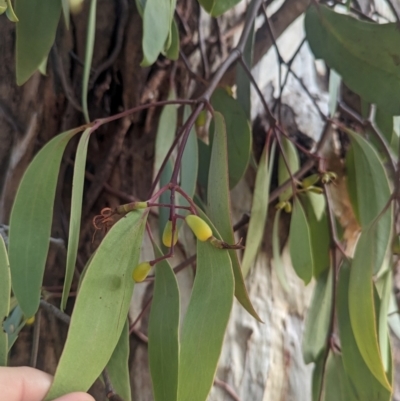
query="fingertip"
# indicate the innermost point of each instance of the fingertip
(76, 397)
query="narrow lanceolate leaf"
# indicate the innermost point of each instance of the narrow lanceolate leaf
(217, 7)
(76, 211)
(259, 208)
(361, 304)
(219, 206)
(117, 366)
(30, 222)
(238, 133)
(101, 307)
(36, 31)
(371, 193)
(164, 333)
(163, 212)
(300, 243)
(276, 253)
(292, 159)
(318, 318)
(365, 383)
(205, 322)
(156, 26)
(90, 36)
(173, 50)
(317, 378)
(5, 293)
(334, 89)
(354, 49)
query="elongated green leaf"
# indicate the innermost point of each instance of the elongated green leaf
(156, 27)
(10, 12)
(318, 374)
(366, 385)
(76, 211)
(219, 206)
(117, 366)
(318, 318)
(300, 243)
(5, 293)
(163, 334)
(30, 222)
(334, 89)
(259, 208)
(276, 253)
(372, 192)
(90, 37)
(13, 325)
(163, 212)
(101, 307)
(205, 322)
(292, 158)
(173, 50)
(354, 49)
(361, 304)
(384, 121)
(238, 133)
(217, 7)
(204, 165)
(36, 31)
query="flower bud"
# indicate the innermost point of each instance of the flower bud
(199, 227)
(141, 271)
(167, 235)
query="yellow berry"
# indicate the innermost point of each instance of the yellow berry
(141, 271)
(30, 321)
(167, 234)
(199, 227)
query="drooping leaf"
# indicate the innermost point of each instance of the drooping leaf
(205, 322)
(292, 158)
(101, 307)
(355, 50)
(361, 304)
(365, 383)
(384, 121)
(173, 50)
(76, 211)
(30, 222)
(238, 132)
(318, 318)
(259, 208)
(371, 193)
(163, 212)
(36, 31)
(164, 333)
(156, 27)
(317, 377)
(334, 89)
(10, 12)
(90, 37)
(117, 366)
(219, 206)
(217, 7)
(204, 165)
(300, 243)
(276, 253)
(5, 293)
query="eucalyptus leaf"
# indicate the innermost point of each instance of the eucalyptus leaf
(101, 307)
(5, 293)
(293, 161)
(334, 89)
(217, 7)
(173, 50)
(30, 222)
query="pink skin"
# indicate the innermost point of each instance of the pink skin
(28, 384)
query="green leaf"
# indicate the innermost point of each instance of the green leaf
(217, 7)
(292, 158)
(173, 50)
(36, 31)
(10, 12)
(318, 374)
(219, 206)
(318, 318)
(118, 368)
(13, 325)
(366, 385)
(76, 212)
(204, 165)
(361, 304)
(259, 208)
(334, 89)
(300, 243)
(205, 322)
(90, 37)
(355, 50)
(156, 27)
(101, 307)
(372, 192)
(238, 131)
(140, 5)
(164, 333)
(384, 121)
(276, 253)
(163, 212)
(5, 293)
(30, 222)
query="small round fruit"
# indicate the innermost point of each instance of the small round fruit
(167, 234)
(141, 271)
(199, 227)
